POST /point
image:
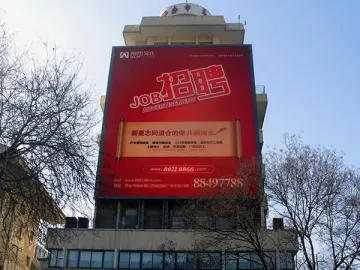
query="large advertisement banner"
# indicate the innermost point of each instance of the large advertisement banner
(178, 122)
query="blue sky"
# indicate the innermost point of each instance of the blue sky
(306, 53)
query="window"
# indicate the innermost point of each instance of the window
(129, 260)
(153, 216)
(224, 223)
(56, 258)
(134, 260)
(147, 260)
(85, 257)
(255, 262)
(210, 261)
(178, 222)
(90, 259)
(96, 259)
(31, 236)
(231, 261)
(169, 261)
(106, 215)
(108, 259)
(124, 260)
(286, 261)
(270, 259)
(27, 261)
(151, 260)
(129, 214)
(130, 219)
(186, 261)
(203, 220)
(73, 256)
(19, 230)
(244, 261)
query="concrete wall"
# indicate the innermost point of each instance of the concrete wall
(153, 240)
(183, 28)
(182, 20)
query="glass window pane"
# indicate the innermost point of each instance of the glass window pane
(124, 259)
(85, 257)
(129, 221)
(158, 260)
(73, 258)
(134, 260)
(178, 222)
(270, 259)
(205, 261)
(181, 261)
(191, 261)
(286, 261)
(169, 262)
(255, 262)
(244, 261)
(147, 260)
(60, 258)
(215, 260)
(231, 262)
(108, 259)
(290, 261)
(131, 212)
(96, 259)
(53, 257)
(152, 218)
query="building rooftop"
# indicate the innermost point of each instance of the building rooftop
(185, 9)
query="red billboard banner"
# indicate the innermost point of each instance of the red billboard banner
(177, 121)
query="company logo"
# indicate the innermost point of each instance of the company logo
(185, 87)
(137, 54)
(124, 54)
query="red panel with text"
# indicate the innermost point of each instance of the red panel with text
(178, 122)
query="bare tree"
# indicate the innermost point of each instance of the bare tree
(47, 149)
(319, 195)
(230, 220)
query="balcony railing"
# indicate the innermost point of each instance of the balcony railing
(260, 89)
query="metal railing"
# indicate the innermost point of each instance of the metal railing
(260, 89)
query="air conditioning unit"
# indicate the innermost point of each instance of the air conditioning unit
(278, 223)
(71, 222)
(83, 223)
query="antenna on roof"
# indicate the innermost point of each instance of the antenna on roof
(244, 23)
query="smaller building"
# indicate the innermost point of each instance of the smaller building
(23, 203)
